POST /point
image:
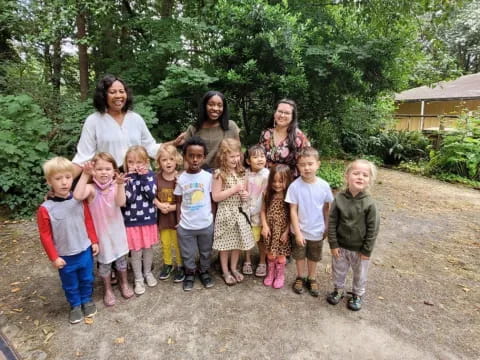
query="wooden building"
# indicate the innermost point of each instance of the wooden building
(429, 108)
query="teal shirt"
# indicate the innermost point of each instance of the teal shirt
(353, 223)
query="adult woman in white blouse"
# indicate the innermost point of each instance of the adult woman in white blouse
(113, 128)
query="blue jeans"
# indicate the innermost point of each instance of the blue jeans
(77, 277)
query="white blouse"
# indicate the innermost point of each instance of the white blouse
(101, 133)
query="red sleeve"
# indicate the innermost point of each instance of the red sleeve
(45, 231)
(92, 235)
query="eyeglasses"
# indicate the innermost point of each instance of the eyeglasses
(286, 113)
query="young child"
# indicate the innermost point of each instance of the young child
(194, 211)
(257, 179)
(69, 239)
(309, 198)
(168, 159)
(105, 197)
(275, 225)
(352, 231)
(140, 215)
(232, 224)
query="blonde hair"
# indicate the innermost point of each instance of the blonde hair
(57, 165)
(105, 157)
(227, 146)
(308, 151)
(172, 151)
(371, 167)
(140, 152)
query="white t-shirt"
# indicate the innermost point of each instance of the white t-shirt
(101, 133)
(310, 199)
(196, 208)
(256, 185)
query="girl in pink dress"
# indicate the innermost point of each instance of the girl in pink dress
(105, 197)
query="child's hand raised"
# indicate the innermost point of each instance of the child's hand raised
(59, 263)
(89, 168)
(142, 170)
(120, 178)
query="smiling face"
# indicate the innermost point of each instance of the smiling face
(116, 97)
(214, 108)
(104, 171)
(279, 185)
(358, 178)
(194, 156)
(233, 159)
(283, 115)
(257, 161)
(61, 183)
(308, 166)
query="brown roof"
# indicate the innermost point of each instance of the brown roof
(465, 87)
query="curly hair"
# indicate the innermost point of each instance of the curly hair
(101, 93)
(226, 147)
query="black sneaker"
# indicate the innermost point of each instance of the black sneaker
(298, 285)
(165, 272)
(178, 274)
(312, 287)
(76, 315)
(89, 309)
(355, 303)
(334, 297)
(206, 280)
(188, 282)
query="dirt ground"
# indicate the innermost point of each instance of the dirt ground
(422, 298)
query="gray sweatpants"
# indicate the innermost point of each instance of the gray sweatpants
(193, 241)
(342, 264)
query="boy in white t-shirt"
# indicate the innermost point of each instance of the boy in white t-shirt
(309, 198)
(194, 211)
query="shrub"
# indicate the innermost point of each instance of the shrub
(23, 140)
(459, 153)
(394, 146)
(332, 171)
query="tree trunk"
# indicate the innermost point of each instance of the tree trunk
(82, 54)
(47, 64)
(166, 9)
(57, 65)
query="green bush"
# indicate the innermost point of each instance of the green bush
(23, 140)
(394, 146)
(332, 171)
(459, 153)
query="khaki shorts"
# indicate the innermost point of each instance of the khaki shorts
(312, 250)
(257, 231)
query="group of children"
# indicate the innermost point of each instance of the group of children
(111, 214)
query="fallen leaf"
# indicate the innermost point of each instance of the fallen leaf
(410, 308)
(328, 269)
(78, 353)
(36, 322)
(18, 310)
(427, 302)
(170, 341)
(466, 289)
(15, 283)
(222, 350)
(14, 290)
(381, 298)
(45, 331)
(89, 320)
(120, 340)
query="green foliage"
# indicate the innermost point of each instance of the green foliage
(452, 178)
(23, 140)
(459, 153)
(332, 171)
(396, 146)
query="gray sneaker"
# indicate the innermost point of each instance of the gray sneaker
(89, 309)
(76, 315)
(335, 297)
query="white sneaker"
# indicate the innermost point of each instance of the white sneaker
(139, 287)
(150, 279)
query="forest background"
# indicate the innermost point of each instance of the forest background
(341, 61)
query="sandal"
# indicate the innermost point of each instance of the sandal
(238, 276)
(247, 268)
(229, 279)
(261, 270)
